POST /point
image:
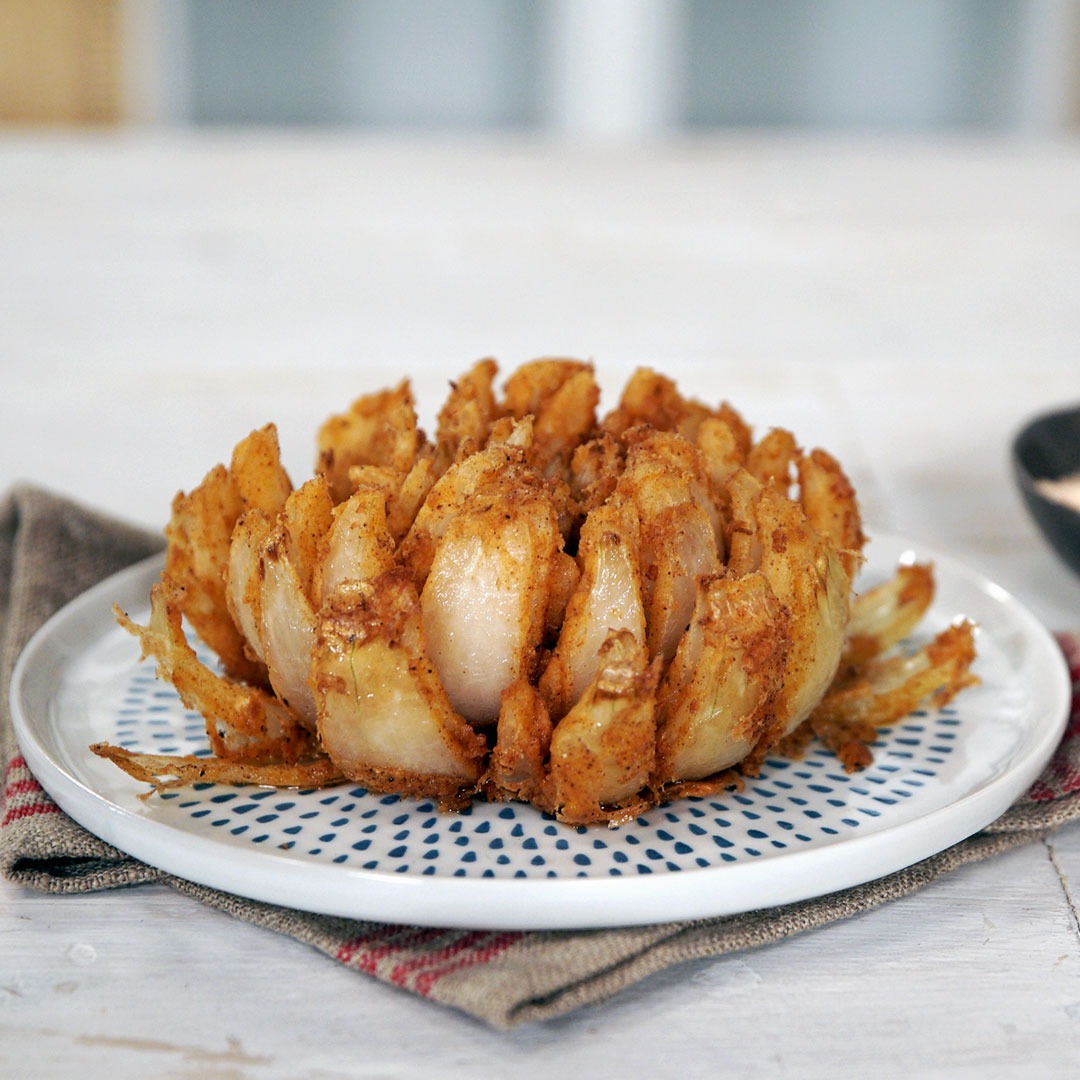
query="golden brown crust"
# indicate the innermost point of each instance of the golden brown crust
(591, 614)
(167, 771)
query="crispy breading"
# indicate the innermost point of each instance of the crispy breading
(680, 531)
(848, 718)
(561, 396)
(377, 429)
(591, 615)
(608, 597)
(517, 764)
(167, 771)
(717, 698)
(243, 723)
(199, 536)
(486, 598)
(882, 616)
(384, 717)
(465, 420)
(603, 750)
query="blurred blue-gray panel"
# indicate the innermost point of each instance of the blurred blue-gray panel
(866, 64)
(853, 63)
(411, 63)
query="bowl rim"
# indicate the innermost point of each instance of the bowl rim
(1024, 433)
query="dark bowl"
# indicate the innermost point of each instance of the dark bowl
(1048, 448)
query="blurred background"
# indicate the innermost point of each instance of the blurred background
(600, 68)
(857, 219)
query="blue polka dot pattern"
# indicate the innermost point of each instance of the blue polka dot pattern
(792, 805)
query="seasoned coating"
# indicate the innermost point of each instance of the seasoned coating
(561, 397)
(809, 579)
(828, 499)
(466, 417)
(717, 697)
(357, 547)
(608, 597)
(590, 614)
(243, 723)
(256, 471)
(680, 530)
(499, 460)
(848, 718)
(403, 492)
(594, 470)
(883, 616)
(653, 399)
(167, 771)
(243, 580)
(384, 717)
(603, 749)
(517, 765)
(199, 537)
(486, 597)
(771, 459)
(377, 429)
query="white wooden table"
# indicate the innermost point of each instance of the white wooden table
(905, 303)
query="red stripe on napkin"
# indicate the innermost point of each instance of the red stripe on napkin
(1062, 774)
(16, 813)
(23, 796)
(481, 950)
(370, 950)
(1070, 646)
(414, 959)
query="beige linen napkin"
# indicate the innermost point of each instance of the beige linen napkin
(52, 549)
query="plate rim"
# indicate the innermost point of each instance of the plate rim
(528, 904)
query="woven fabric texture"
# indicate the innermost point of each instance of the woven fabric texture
(52, 549)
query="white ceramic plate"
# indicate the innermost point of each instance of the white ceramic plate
(802, 829)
